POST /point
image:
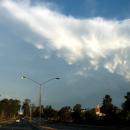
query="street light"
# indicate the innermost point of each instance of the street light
(40, 87)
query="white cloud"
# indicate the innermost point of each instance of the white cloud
(101, 42)
(39, 45)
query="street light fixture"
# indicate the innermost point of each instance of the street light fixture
(40, 87)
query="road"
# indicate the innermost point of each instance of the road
(83, 127)
(23, 125)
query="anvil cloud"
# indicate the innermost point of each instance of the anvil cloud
(97, 41)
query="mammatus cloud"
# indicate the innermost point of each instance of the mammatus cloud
(97, 41)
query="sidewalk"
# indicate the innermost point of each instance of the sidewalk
(6, 121)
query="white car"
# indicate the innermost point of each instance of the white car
(17, 120)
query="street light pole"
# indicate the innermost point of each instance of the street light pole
(40, 103)
(30, 112)
(40, 88)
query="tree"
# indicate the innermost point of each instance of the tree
(76, 114)
(107, 106)
(65, 114)
(9, 107)
(35, 111)
(14, 106)
(4, 107)
(91, 116)
(26, 107)
(126, 106)
(50, 113)
(109, 110)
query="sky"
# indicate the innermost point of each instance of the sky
(84, 42)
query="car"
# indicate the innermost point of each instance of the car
(17, 120)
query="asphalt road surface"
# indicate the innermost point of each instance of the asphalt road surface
(81, 127)
(23, 125)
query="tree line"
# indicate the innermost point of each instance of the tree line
(9, 108)
(107, 114)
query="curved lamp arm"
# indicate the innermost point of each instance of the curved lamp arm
(40, 84)
(49, 80)
(24, 77)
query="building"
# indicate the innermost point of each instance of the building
(98, 112)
